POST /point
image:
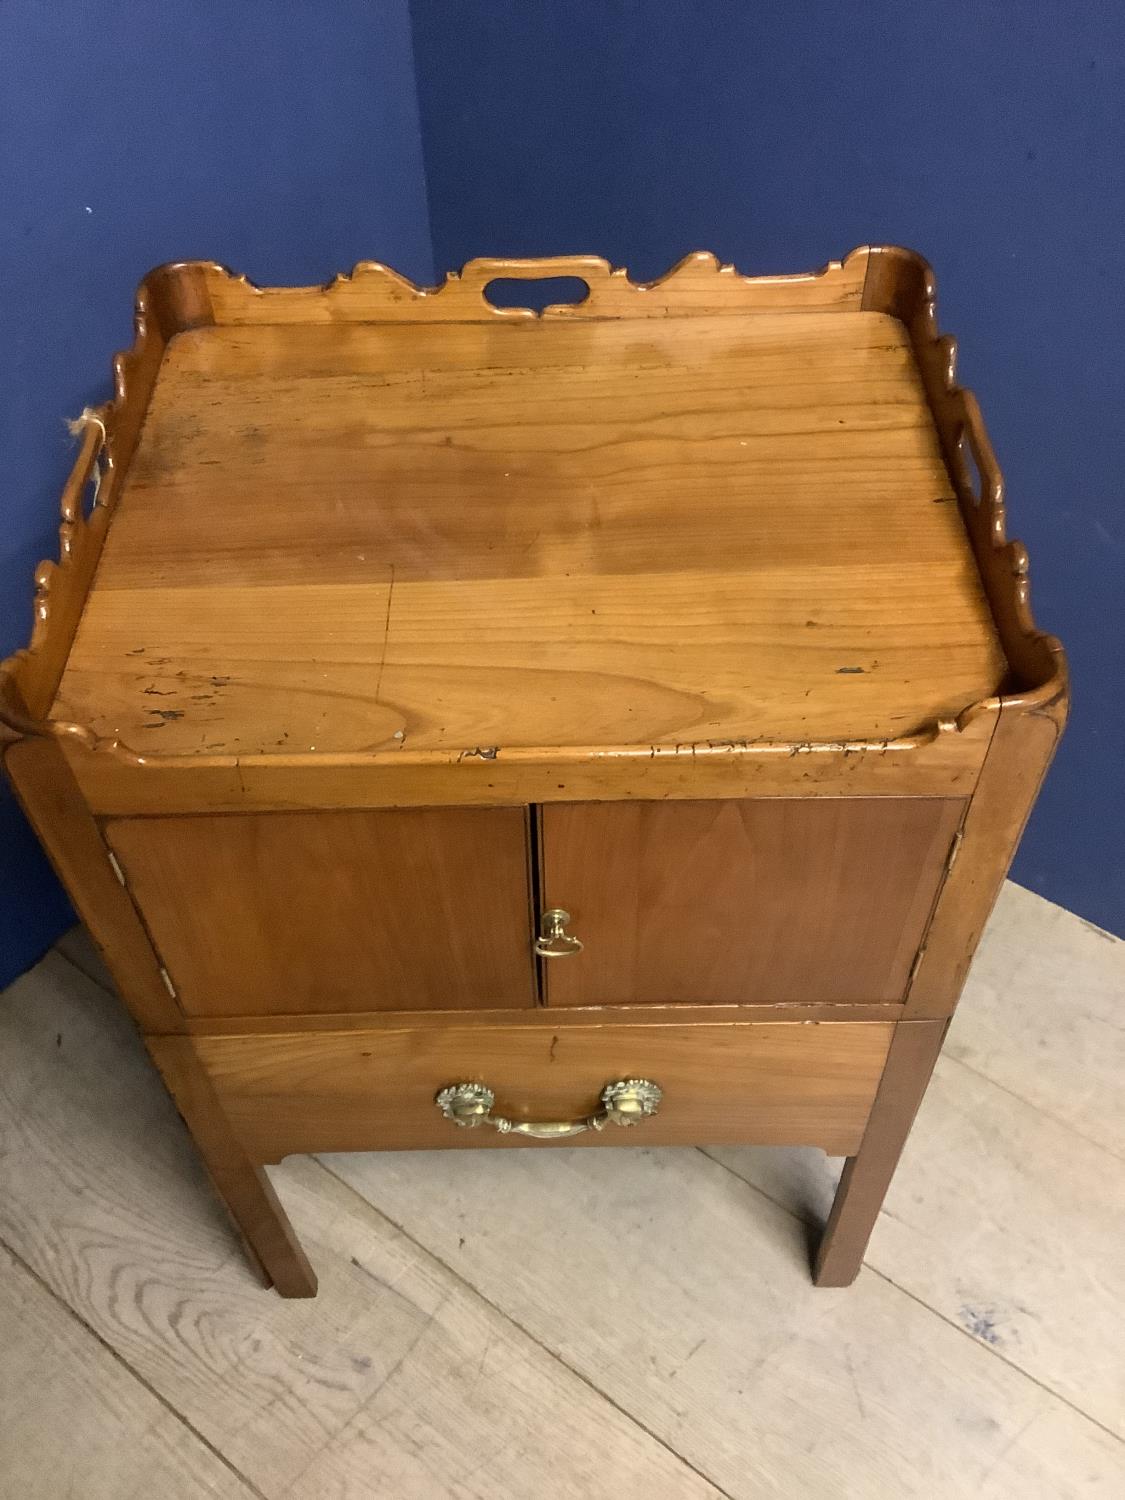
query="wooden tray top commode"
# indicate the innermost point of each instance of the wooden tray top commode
(472, 727)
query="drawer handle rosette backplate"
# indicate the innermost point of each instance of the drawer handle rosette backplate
(626, 1102)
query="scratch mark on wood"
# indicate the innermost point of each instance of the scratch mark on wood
(855, 1383)
(386, 635)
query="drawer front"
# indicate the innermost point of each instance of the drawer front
(776, 900)
(312, 912)
(769, 1083)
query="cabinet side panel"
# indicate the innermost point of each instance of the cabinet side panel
(53, 803)
(1021, 752)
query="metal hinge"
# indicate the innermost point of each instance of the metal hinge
(914, 967)
(950, 861)
(115, 866)
(954, 850)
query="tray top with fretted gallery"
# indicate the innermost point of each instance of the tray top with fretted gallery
(369, 518)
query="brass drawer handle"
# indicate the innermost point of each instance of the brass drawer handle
(625, 1102)
(554, 941)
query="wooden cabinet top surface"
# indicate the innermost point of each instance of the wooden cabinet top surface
(368, 519)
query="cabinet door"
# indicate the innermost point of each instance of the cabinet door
(814, 900)
(315, 912)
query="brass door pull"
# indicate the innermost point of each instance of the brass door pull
(625, 1102)
(554, 941)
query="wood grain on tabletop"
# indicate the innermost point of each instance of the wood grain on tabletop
(946, 763)
(353, 537)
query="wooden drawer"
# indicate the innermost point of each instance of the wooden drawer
(770, 1083)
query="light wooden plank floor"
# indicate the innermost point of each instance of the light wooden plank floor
(578, 1323)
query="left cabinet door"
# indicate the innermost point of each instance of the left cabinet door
(318, 912)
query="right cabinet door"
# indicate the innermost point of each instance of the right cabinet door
(814, 900)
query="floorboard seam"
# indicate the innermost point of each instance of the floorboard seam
(120, 1359)
(942, 1317)
(628, 1416)
(936, 1312)
(998, 1354)
(552, 1354)
(1029, 1104)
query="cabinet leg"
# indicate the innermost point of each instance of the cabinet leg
(867, 1175)
(244, 1188)
(269, 1238)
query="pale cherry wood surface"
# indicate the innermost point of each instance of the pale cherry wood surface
(868, 1172)
(532, 533)
(783, 1082)
(870, 1393)
(538, 1019)
(307, 912)
(742, 902)
(373, 293)
(709, 513)
(945, 762)
(901, 283)
(1021, 750)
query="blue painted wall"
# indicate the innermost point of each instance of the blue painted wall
(276, 136)
(990, 137)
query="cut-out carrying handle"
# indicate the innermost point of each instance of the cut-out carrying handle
(987, 486)
(15, 723)
(90, 465)
(591, 269)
